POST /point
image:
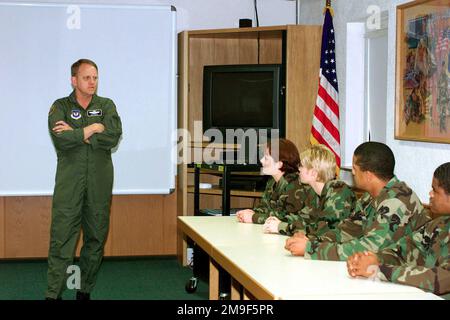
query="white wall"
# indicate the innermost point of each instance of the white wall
(415, 161)
(211, 14)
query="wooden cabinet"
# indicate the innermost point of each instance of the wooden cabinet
(297, 47)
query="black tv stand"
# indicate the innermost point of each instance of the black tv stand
(226, 170)
(247, 183)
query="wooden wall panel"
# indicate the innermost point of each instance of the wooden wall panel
(169, 245)
(136, 210)
(142, 225)
(27, 226)
(304, 63)
(2, 227)
(138, 225)
(181, 248)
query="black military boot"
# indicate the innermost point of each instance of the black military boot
(52, 299)
(83, 296)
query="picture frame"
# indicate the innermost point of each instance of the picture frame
(422, 104)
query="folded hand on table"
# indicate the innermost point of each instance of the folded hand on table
(271, 225)
(245, 215)
(297, 244)
(364, 264)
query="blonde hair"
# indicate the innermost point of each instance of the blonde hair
(320, 158)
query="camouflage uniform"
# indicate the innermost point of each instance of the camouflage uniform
(375, 224)
(420, 259)
(275, 200)
(335, 204)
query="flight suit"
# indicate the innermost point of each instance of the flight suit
(83, 188)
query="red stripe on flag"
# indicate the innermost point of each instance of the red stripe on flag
(323, 118)
(321, 140)
(329, 101)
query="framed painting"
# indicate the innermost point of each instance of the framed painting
(422, 108)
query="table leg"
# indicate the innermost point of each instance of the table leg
(248, 296)
(235, 290)
(196, 191)
(213, 280)
(226, 192)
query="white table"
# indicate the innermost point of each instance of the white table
(259, 263)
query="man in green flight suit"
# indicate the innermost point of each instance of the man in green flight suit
(84, 128)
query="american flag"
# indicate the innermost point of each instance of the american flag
(325, 123)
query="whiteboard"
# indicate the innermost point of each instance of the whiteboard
(135, 50)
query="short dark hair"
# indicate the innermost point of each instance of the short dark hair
(442, 175)
(77, 64)
(287, 154)
(377, 158)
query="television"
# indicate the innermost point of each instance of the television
(244, 97)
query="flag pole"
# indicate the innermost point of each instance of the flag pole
(325, 122)
(328, 6)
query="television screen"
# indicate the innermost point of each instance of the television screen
(242, 99)
(242, 96)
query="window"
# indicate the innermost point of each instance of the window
(366, 86)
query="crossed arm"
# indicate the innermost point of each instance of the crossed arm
(88, 131)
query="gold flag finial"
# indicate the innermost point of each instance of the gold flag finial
(328, 6)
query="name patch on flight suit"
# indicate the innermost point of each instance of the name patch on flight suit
(94, 113)
(76, 114)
